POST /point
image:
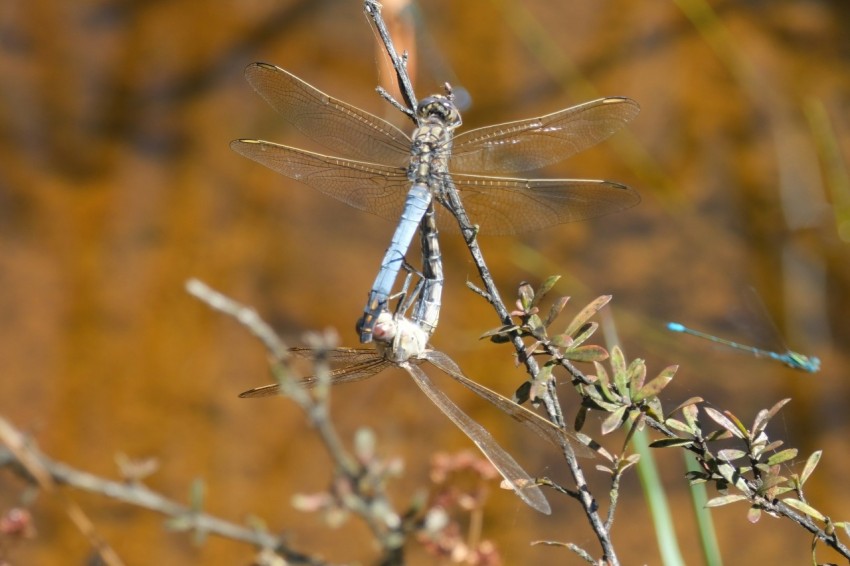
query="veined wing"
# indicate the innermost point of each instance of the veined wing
(379, 189)
(344, 129)
(519, 479)
(341, 357)
(503, 206)
(532, 420)
(360, 363)
(536, 142)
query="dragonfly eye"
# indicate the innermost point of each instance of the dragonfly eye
(440, 107)
(358, 327)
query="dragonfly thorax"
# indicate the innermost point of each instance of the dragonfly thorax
(398, 338)
(439, 107)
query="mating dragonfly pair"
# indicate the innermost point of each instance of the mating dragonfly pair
(374, 166)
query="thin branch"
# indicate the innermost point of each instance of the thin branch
(469, 232)
(364, 498)
(35, 465)
(246, 316)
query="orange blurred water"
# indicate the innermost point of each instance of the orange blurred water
(117, 185)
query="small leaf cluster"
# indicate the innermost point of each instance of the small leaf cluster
(626, 395)
(753, 466)
(561, 348)
(569, 343)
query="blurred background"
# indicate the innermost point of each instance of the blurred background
(117, 185)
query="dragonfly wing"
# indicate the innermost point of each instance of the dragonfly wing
(503, 206)
(530, 419)
(374, 188)
(364, 364)
(537, 142)
(338, 126)
(339, 356)
(521, 482)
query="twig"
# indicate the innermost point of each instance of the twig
(373, 10)
(30, 462)
(469, 233)
(28, 458)
(360, 495)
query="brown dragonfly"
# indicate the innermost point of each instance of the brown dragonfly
(403, 344)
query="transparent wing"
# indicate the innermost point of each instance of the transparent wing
(342, 128)
(374, 188)
(503, 206)
(521, 482)
(536, 142)
(360, 363)
(535, 422)
(339, 356)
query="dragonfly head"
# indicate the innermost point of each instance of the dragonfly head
(439, 107)
(385, 328)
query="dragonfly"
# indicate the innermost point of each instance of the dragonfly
(380, 169)
(790, 358)
(426, 310)
(402, 342)
(408, 353)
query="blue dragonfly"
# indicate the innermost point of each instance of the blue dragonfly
(790, 358)
(380, 169)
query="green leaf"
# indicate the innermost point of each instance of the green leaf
(618, 365)
(585, 333)
(724, 421)
(733, 475)
(653, 388)
(681, 406)
(810, 466)
(730, 454)
(556, 309)
(535, 326)
(804, 507)
(719, 434)
(680, 426)
(561, 341)
(626, 463)
(690, 411)
(500, 331)
(544, 288)
(725, 500)
(775, 409)
(605, 383)
(695, 478)
(637, 376)
(760, 422)
(653, 408)
(526, 296)
(784, 456)
(671, 442)
(589, 353)
(586, 314)
(540, 384)
(614, 420)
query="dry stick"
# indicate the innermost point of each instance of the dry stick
(30, 460)
(137, 494)
(469, 233)
(373, 507)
